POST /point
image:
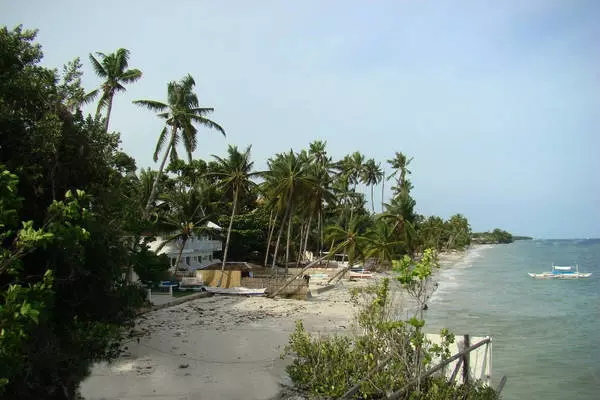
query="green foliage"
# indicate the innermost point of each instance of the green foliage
(63, 300)
(248, 235)
(383, 348)
(493, 237)
(149, 266)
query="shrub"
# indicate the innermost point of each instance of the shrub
(383, 354)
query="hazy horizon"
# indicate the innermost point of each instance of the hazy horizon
(497, 102)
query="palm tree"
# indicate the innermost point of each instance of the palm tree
(350, 241)
(113, 69)
(381, 243)
(371, 176)
(400, 165)
(234, 173)
(400, 214)
(186, 217)
(180, 113)
(286, 177)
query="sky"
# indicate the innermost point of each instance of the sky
(498, 103)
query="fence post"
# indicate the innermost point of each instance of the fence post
(171, 290)
(150, 295)
(466, 364)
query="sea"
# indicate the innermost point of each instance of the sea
(545, 333)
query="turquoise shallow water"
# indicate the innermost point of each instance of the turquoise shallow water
(546, 333)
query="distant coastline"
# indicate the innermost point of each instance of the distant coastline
(497, 236)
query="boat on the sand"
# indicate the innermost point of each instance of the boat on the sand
(239, 291)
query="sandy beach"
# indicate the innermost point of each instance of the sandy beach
(220, 347)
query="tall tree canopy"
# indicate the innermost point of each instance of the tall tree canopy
(113, 69)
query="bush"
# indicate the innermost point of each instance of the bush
(381, 355)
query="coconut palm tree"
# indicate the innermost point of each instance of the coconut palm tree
(185, 217)
(400, 214)
(400, 165)
(371, 176)
(234, 174)
(381, 243)
(287, 176)
(113, 69)
(352, 241)
(180, 112)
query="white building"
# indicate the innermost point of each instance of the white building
(198, 252)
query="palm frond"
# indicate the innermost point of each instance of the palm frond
(152, 105)
(103, 102)
(160, 143)
(122, 59)
(131, 75)
(97, 66)
(202, 111)
(89, 97)
(208, 123)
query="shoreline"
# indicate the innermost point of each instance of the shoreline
(224, 347)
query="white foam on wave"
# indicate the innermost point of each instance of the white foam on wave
(452, 276)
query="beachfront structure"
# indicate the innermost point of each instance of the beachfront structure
(198, 251)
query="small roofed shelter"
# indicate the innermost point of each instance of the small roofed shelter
(232, 275)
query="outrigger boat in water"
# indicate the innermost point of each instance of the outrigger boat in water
(564, 272)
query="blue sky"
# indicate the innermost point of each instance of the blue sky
(498, 102)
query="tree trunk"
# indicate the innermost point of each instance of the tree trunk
(108, 111)
(272, 220)
(287, 248)
(382, 191)
(154, 191)
(275, 293)
(235, 197)
(306, 238)
(299, 257)
(180, 254)
(351, 209)
(285, 215)
(320, 228)
(372, 202)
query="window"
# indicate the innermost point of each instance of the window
(187, 260)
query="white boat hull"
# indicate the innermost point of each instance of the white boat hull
(239, 291)
(550, 275)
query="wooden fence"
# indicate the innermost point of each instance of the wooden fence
(296, 289)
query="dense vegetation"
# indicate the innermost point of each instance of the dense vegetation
(385, 357)
(497, 236)
(76, 214)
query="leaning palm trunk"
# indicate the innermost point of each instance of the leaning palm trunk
(154, 191)
(272, 221)
(235, 196)
(341, 273)
(303, 270)
(285, 215)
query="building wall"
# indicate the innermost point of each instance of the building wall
(198, 251)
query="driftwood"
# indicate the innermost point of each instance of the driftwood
(303, 270)
(400, 392)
